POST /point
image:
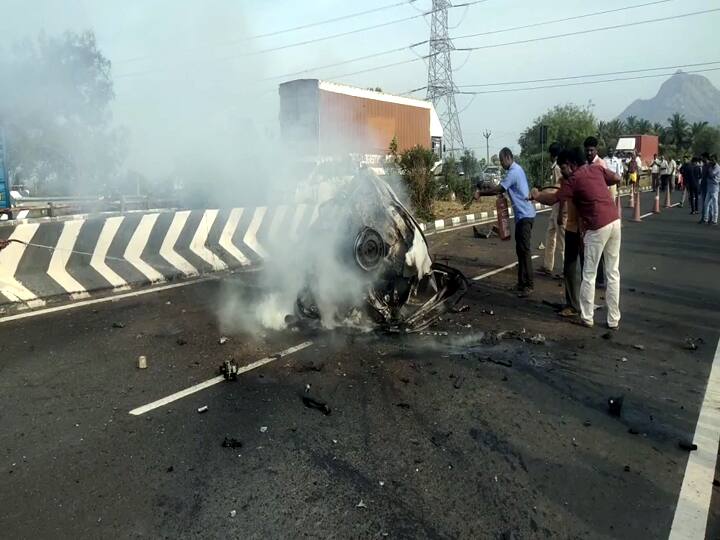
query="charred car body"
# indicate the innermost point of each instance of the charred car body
(391, 279)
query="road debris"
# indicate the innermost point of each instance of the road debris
(537, 339)
(223, 340)
(180, 341)
(615, 405)
(403, 405)
(587, 423)
(361, 504)
(142, 362)
(490, 338)
(229, 442)
(308, 365)
(118, 325)
(487, 233)
(229, 370)
(639, 347)
(627, 468)
(312, 403)
(693, 343)
(263, 429)
(202, 409)
(458, 382)
(633, 431)
(233, 513)
(685, 445)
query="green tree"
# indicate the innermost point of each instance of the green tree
(677, 132)
(608, 133)
(643, 127)
(696, 128)
(470, 164)
(55, 97)
(416, 166)
(567, 124)
(632, 125)
(707, 140)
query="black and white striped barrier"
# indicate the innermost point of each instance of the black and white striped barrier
(82, 255)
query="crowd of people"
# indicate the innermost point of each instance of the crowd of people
(585, 224)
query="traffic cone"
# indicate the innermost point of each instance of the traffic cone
(656, 210)
(667, 196)
(632, 196)
(636, 215)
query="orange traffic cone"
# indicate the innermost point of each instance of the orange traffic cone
(636, 215)
(667, 196)
(632, 196)
(656, 210)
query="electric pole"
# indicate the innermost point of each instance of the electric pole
(487, 134)
(441, 89)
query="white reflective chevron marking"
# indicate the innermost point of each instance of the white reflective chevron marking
(277, 221)
(57, 269)
(167, 250)
(299, 213)
(197, 245)
(9, 260)
(227, 234)
(137, 243)
(97, 261)
(251, 233)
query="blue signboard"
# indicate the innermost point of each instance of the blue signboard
(4, 180)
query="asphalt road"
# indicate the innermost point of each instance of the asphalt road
(429, 436)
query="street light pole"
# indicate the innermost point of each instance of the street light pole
(487, 134)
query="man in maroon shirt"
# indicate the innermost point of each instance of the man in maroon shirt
(587, 187)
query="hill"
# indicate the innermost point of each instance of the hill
(689, 94)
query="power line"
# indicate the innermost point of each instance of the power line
(588, 31)
(566, 19)
(551, 79)
(584, 82)
(328, 21)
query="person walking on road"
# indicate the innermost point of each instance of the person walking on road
(586, 186)
(555, 235)
(516, 186)
(710, 201)
(691, 182)
(591, 154)
(704, 168)
(674, 176)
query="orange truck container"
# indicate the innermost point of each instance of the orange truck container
(645, 145)
(326, 120)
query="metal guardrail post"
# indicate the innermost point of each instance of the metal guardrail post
(122, 203)
(51, 210)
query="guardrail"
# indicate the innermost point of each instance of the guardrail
(58, 206)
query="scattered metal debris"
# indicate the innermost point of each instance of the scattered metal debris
(693, 343)
(142, 362)
(229, 370)
(313, 403)
(615, 405)
(203, 409)
(487, 233)
(538, 339)
(361, 504)
(263, 429)
(230, 442)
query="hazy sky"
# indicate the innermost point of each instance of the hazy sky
(187, 75)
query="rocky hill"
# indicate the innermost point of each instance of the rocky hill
(689, 94)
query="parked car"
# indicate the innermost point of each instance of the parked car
(490, 177)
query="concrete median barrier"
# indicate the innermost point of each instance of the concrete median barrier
(80, 256)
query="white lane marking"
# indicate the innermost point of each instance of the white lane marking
(61, 256)
(167, 249)
(197, 245)
(107, 234)
(691, 512)
(498, 270)
(9, 261)
(251, 233)
(134, 249)
(646, 215)
(215, 380)
(227, 234)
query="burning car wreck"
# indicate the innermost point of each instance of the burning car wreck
(391, 280)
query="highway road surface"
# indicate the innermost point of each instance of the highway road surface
(453, 434)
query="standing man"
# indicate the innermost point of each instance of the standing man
(691, 182)
(555, 236)
(664, 174)
(704, 167)
(586, 186)
(591, 154)
(655, 172)
(710, 202)
(614, 163)
(632, 169)
(673, 174)
(517, 187)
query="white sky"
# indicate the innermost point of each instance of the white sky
(186, 74)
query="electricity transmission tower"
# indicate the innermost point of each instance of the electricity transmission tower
(440, 87)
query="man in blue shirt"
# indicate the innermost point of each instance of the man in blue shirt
(516, 186)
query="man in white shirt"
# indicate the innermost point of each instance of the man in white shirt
(673, 174)
(655, 172)
(555, 234)
(614, 163)
(664, 174)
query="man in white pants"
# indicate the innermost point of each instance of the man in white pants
(587, 187)
(555, 235)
